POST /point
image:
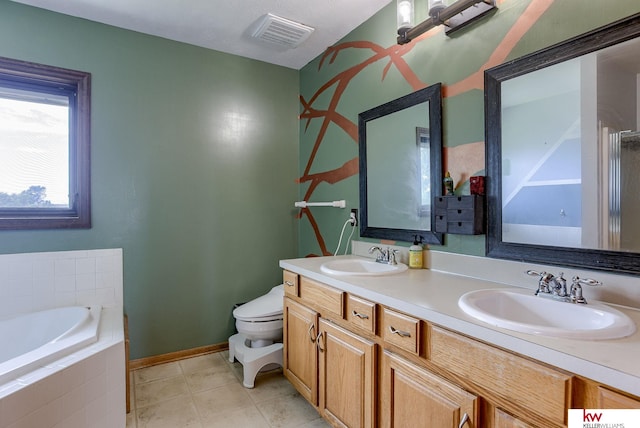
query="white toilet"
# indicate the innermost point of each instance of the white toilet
(258, 342)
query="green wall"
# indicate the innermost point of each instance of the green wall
(194, 161)
(195, 153)
(367, 68)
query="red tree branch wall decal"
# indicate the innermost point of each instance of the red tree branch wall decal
(467, 157)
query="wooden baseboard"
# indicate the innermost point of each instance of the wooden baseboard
(176, 356)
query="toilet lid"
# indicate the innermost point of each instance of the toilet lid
(263, 307)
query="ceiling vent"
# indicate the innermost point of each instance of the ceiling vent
(281, 31)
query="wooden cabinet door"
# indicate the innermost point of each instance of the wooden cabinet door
(300, 358)
(414, 397)
(346, 377)
(505, 420)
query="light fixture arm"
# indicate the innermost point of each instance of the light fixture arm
(451, 16)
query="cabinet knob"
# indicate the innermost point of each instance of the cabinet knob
(289, 283)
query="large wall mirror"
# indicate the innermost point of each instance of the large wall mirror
(563, 152)
(400, 148)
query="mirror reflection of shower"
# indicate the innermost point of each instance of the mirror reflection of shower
(569, 175)
(624, 179)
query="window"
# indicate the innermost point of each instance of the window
(44, 147)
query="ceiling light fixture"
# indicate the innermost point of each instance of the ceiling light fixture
(455, 16)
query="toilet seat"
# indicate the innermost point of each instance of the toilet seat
(261, 330)
(264, 308)
(257, 344)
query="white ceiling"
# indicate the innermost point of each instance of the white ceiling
(227, 25)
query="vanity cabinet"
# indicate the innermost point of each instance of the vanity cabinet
(608, 399)
(333, 368)
(363, 364)
(346, 377)
(300, 359)
(505, 420)
(411, 396)
(540, 392)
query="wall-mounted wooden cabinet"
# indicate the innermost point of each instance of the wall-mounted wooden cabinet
(462, 215)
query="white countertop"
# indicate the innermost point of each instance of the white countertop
(433, 296)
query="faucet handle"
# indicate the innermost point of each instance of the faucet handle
(535, 273)
(392, 256)
(383, 256)
(587, 281)
(576, 288)
(543, 282)
(545, 277)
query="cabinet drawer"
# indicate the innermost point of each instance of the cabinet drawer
(539, 389)
(361, 313)
(462, 202)
(612, 400)
(401, 330)
(460, 215)
(440, 203)
(321, 297)
(464, 227)
(290, 281)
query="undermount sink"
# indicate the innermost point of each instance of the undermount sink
(524, 312)
(361, 267)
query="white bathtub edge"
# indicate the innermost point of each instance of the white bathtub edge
(110, 333)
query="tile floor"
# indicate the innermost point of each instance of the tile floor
(207, 392)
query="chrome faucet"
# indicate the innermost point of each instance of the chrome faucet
(576, 288)
(387, 255)
(555, 288)
(559, 286)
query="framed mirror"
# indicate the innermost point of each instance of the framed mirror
(563, 152)
(400, 148)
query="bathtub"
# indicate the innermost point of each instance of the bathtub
(36, 339)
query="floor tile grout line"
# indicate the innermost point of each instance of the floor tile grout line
(164, 400)
(236, 375)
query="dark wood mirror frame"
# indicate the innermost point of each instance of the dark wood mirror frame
(618, 261)
(433, 95)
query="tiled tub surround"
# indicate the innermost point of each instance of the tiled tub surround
(83, 389)
(34, 281)
(432, 295)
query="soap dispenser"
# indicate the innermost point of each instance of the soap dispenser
(415, 254)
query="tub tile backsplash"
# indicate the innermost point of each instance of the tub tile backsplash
(36, 281)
